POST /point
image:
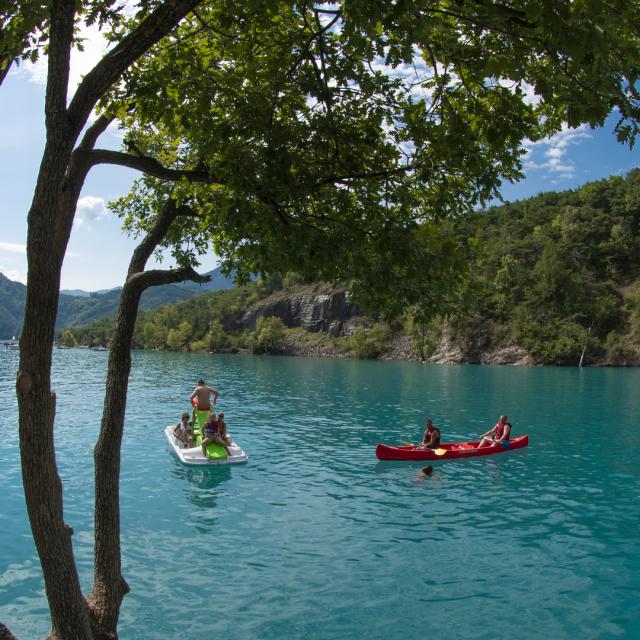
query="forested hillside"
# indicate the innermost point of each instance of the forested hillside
(556, 275)
(12, 296)
(556, 272)
(193, 325)
(77, 310)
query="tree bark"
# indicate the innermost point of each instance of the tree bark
(50, 220)
(5, 634)
(36, 401)
(5, 67)
(110, 587)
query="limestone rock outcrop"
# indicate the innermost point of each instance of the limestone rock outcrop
(326, 312)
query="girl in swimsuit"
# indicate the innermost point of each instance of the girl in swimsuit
(211, 432)
(182, 430)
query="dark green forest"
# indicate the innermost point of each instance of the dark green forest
(557, 274)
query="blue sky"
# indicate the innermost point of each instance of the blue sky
(99, 253)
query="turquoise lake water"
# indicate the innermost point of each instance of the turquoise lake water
(314, 538)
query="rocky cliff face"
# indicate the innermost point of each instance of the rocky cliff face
(320, 311)
(330, 312)
(449, 352)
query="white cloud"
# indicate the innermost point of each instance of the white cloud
(90, 209)
(554, 151)
(94, 45)
(13, 247)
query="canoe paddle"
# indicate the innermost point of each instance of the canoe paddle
(438, 452)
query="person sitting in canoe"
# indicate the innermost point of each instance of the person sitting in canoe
(211, 432)
(201, 395)
(499, 434)
(182, 430)
(431, 437)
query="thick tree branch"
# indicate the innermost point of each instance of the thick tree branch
(95, 131)
(5, 67)
(155, 277)
(366, 175)
(170, 211)
(148, 33)
(79, 167)
(80, 164)
(149, 166)
(60, 40)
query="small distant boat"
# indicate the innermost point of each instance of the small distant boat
(12, 344)
(99, 348)
(451, 451)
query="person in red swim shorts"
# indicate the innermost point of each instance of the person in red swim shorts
(201, 395)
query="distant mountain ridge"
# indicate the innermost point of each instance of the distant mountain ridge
(218, 281)
(78, 307)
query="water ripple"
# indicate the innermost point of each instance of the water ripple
(313, 538)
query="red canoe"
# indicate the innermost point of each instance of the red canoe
(447, 451)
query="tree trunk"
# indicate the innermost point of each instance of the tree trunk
(110, 587)
(50, 220)
(49, 225)
(5, 634)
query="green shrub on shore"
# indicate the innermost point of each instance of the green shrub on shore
(369, 344)
(270, 336)
(619, 352)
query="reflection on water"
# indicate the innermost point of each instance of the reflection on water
(203, 477)
(315, 538)
(206, 482)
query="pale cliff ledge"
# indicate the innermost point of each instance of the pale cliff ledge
(449, 352)
(319, 315)
(400, 347)
(321, 318)
(316, 308)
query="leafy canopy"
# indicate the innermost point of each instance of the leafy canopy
(335, 138)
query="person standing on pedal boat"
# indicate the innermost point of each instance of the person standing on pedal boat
(201, 396)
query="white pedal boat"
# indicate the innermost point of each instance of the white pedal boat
(193, 455)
